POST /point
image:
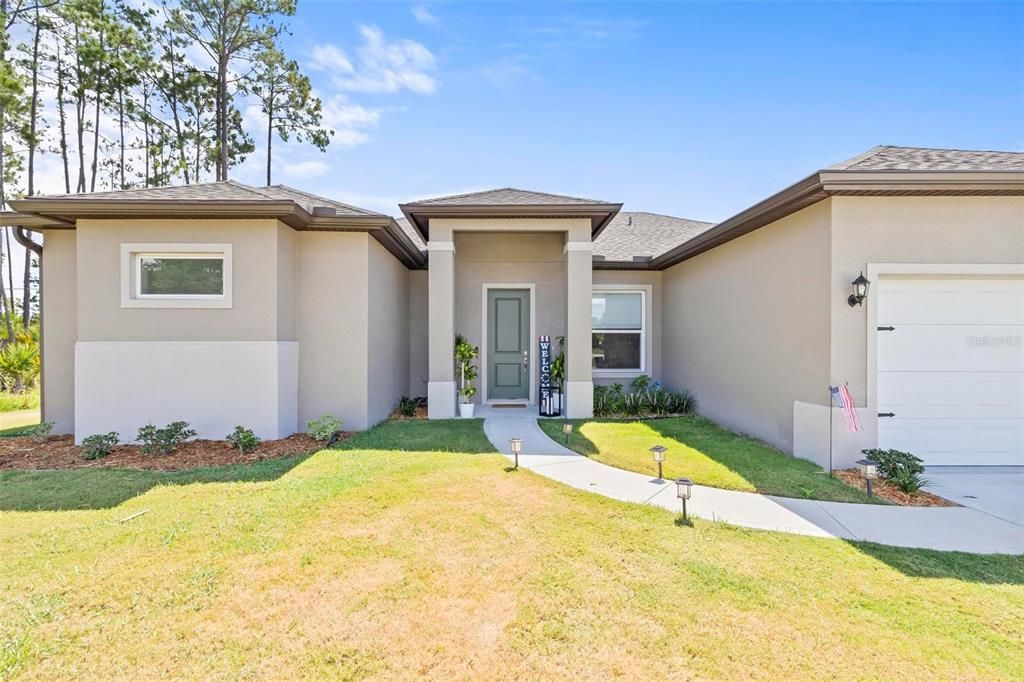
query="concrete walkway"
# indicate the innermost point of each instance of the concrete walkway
(943, 528)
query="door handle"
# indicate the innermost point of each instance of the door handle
(886, 414)
(526, 359)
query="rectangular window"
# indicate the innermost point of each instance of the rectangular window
(618, 328)
(178, 275)
(191, 275)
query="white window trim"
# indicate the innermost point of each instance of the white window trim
(131, 275)
(645, 291)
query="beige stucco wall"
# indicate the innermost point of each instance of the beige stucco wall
(746, 325)
(655, 321)
(419, 369)
(253, 315)
(59, 329)
(388, 327)
(866, 230)
(331, 317)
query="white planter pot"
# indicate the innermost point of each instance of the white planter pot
(466, 410)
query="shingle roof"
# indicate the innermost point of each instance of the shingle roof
(633, 233)
(228, 190)
(505, 196)
(888, 157)
(411, 233)
(629, 234)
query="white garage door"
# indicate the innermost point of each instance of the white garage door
(951, 369)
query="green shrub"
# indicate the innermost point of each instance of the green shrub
(40, 431)
(163, 441)
(641, 383)
(903, 469)
(242, 438)
(99, 445)
(324, 428)
(407, 406)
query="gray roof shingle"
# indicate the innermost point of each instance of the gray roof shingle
(889, 157)
(629, 234)
(637, 233)
(506, 196)
(411, 233)
(228, 190)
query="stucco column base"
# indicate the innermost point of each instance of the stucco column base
(579, 399)
(440, 400)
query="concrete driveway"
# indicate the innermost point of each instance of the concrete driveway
(998, 491)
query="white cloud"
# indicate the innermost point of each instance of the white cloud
(305, 169)
(506, 71)
(385, 66)
(423, 15)
(331, 58)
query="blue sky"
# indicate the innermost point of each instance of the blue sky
(690, 109)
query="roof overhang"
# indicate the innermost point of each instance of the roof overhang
(38, 213)
(826, 183)
(419, 215)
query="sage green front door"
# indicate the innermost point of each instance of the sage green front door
(508, 344)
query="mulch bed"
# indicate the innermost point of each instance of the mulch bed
(421, 413)
(60, 452)
(890, 492)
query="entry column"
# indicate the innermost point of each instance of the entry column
(441, 323)
(579, 385)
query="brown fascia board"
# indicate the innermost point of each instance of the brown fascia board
(419, 216)
(33, 222)
(827, 183)
(804, 193)
(37, 213)
(922, 182)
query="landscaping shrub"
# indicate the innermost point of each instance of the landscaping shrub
(903, 469)
(99, 445)
(40, 431)
(407, 406)
(163, 441)
(242, 438)
(645, 399)
(324, 428)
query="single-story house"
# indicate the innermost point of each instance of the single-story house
(224, 304)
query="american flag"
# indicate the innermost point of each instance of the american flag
(844, 401)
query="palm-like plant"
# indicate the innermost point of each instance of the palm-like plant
(19, 365)
(465, 354)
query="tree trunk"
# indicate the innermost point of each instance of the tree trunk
(10, 282)
(80, 115)
(222, 119)
(270, 140)
(62, 116)
(34, 103)
(120, 123)
(26, 299)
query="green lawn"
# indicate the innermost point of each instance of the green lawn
(12, 402)
(706, 453)
(369, 561)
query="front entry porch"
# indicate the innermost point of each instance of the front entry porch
(503, 284)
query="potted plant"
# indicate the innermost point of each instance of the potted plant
(465, 354)
(558, 374)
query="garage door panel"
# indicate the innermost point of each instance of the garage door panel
(952, 369)
(988, 442)
(950, 301)
(962, 348)
(950, 395)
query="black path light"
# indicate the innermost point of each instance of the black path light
(860, 290)
(566, 429)
(684, 487)
(516, 445)
(659, 457)
(869, 471)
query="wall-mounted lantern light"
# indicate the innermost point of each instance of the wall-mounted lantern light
(516, 446)
(860, 290)
(684, 487)
(566, 429)
(868, 470)
(659, 457)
